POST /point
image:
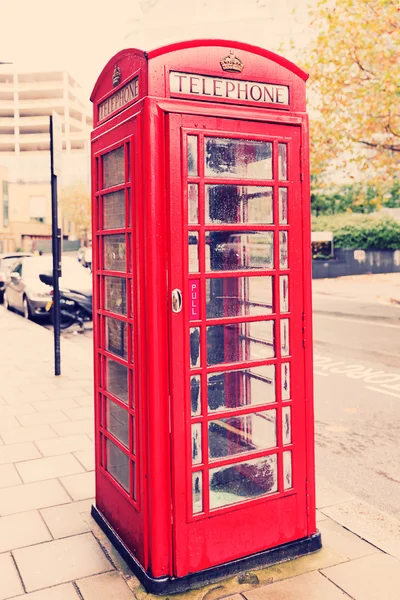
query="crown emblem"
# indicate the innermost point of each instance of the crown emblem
(231, 63)
(116, 78)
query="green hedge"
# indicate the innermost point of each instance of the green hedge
(363, 232)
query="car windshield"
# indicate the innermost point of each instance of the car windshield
(72, 271)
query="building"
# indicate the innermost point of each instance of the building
(27, 99)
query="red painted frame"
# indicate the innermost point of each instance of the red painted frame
(157, 537)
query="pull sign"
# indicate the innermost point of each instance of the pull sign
(176, 301)
(194, 299)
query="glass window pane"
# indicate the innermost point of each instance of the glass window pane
(286, 425)
(285, 370)
(195, 395)
(196, 444)
(239, 204)
(193, 252)
(236, 389)
(238, 342)
(192, 155)
(114, 210)
(193, 202)
(117, 464)
(283, 249)
(115, 294)
(284, 293)
(234, 250)
(237, 296)
(117, 380)
(117, 422)
(197, 492)
(285, 349)
(114, 167)
(243, 481)
(195, 347)
(114, 252)
(282, 161)
(245, 433)
(116, 337)
(283, 206)
(225, 157)
(287, 470)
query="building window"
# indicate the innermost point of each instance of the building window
(37, 209)
(5, 204)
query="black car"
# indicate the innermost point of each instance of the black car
(7, 260)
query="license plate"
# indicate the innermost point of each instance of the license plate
(49, 305)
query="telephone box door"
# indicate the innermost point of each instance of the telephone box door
(236, 344)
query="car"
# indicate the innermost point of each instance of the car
(7, 260)
(25, 292)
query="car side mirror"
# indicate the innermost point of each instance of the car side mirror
(15, 276)
(46, 278)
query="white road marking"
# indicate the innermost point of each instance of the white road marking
(382, 391)
(361, 321)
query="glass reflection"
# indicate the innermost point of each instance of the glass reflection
(284, 293)
(117, 380)
(192, 155)
(237, 296)
(283, 206)
(196, 443)
(193, 202)
(195, 347)
(114, 252)
(115, 294)
(116, 337)
(286, 425)
(117, 464)
(193, 252)
(243, 481)
(232, 250)
(238, 342)
(287, 470)
(245, 387)
(283, 249)
(117, 422)
(282, 161)
(197, 492)
(226, 157)
(114, 210)
(285, 337)
(239, 204)
(195, 395)
(285, 370)
(114, 167)
(245, 433)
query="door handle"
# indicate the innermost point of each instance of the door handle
(176, 300)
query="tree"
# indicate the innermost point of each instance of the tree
(76, 207)
(354, 66)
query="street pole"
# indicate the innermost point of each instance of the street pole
(56, 249)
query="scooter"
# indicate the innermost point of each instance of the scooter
(75, 306)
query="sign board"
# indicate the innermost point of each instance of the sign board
(122, 97)
(321, 236)
(57, 143)
(205, 86)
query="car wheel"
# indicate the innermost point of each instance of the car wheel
(26, 308)
(5, 301)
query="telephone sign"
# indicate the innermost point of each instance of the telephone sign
(202, 294)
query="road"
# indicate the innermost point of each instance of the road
(357, 398)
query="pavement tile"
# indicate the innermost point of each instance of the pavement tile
(46, 405)
(65, 444)
(14, 410)
(80, 487)
(12, 398)
(320, 516)
(59, 393)
(42, 418)
(109, 586)
(10, 582)
(31, 496)
(27, 434)
(86, 458)
(328, 494)
(74, 427)
(85, 400)
(61, 561)
(311, 586)
(23, 529)
(77, 414)
(8, 422)
(49, 468)
(369, 578)
(18, 452)
(9, 476)
(344, 541)
(66, 591)
(67, 520)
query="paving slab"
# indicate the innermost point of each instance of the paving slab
(370, 578)
(67, 520)
(18, 452)
(86, 458)
(22, 529)
(64, 445)
(60, 561)
(66, 591)
(27, 434)
(49, 468)
(10, 581)
(77, 414)
(328, 494)
(9, 476)
(109, 586)
(7, 410)
(74, 427)
(337, 537)
(42, 418)
(31, 496)
(312, 586)
(46, 405)
(81, 486)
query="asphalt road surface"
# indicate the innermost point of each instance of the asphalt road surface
(357, 399)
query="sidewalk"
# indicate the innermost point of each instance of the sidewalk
(51, 549)
(382, 288)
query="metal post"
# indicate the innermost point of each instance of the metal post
(56, 250)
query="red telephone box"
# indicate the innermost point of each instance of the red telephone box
(202, 311)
